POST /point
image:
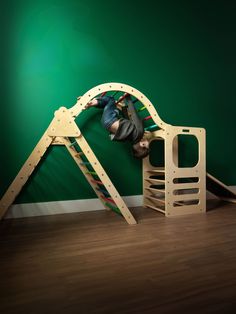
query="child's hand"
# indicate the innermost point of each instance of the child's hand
(91, 103)
(147, 134)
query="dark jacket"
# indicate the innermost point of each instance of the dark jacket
(130, 130)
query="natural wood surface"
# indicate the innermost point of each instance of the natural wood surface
(94, 262)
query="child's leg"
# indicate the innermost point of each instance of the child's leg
(110, 114)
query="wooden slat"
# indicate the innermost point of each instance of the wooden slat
(155, 199)
(156, 190)
(186, 197)
(182, 186)
(156, 208)
(155, 180)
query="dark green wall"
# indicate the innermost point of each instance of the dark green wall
(180, 54)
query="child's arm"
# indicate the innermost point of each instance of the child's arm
(135, 118)
(99, 102)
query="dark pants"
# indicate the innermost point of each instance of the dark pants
(110, 112)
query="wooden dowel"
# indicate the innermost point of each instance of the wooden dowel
(103, 191)
(122, 98)
(134, 101)
(73, 143)
(91, 172)
(108, 199)
(150, 127)
(113, 95)
(85, 163)
(116, 209)
(147, 118)
(142, 108)
(79, 154)
(97, 182)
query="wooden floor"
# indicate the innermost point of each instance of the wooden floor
(96, 263)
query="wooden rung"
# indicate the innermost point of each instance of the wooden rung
(147, 118)
(72, 144)
(116, 209)
(92, 173)
(155, 199)
(113, 95)
(79, 154)
(97, 182)
(85, 163)
(156, 190)
(108, 199)
(142, 108)
(151, 127)
(156, 208)
(103, 191)
(122, 97)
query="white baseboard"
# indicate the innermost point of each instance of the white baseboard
(64, 207)
(75, 206)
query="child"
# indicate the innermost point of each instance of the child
(122, 129)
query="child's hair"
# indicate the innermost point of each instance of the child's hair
(140, 152)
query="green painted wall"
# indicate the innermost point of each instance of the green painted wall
(180, 54)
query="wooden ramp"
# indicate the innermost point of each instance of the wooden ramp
(219, 189)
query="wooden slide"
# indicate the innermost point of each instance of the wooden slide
(219, 189)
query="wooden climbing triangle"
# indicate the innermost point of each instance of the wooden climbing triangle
(64, 131)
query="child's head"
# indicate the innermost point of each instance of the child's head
(141, 149)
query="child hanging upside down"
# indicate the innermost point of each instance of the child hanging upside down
(120, 128)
